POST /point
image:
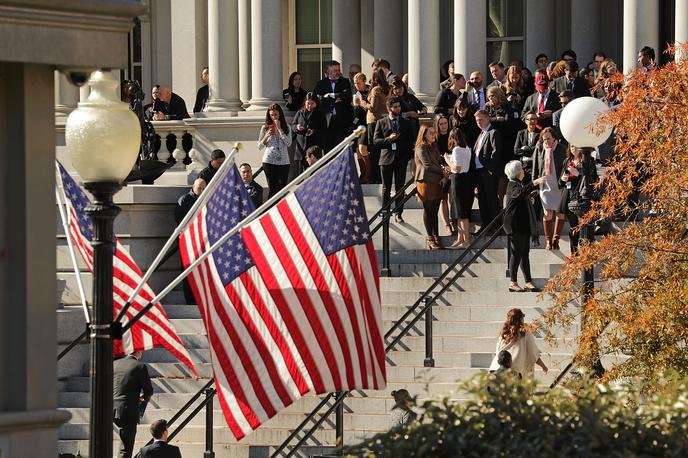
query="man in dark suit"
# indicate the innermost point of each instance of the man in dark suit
(571, 81)
(176, 107)
(131, 390)
(543, 101)
(488, 167)
(393, 137)
(254, 190)
(203, 92)
(564, 98)
(334, 93)
(159, 448)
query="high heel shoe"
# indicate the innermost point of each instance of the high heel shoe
(438, 242)
(432, 245)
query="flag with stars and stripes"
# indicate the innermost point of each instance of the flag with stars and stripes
(291, 302)
(154, 329)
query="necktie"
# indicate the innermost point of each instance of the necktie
(395, 125)
(541, 108)
(569, 85)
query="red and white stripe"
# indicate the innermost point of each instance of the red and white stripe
(296, 321)
(154, 329)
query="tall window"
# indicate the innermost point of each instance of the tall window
(135, 55)
(313, 26)
(505, 30)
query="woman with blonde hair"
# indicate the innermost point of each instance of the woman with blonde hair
(517, 340)
(430, 177)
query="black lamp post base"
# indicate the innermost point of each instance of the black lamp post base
(103, 213)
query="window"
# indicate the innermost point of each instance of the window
(134, 72)
(312, 26)
(505, 30)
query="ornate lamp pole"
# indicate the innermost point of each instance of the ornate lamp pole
(103, 138)
(582, 128)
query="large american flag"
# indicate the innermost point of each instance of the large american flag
(291, 303)
(154, 328)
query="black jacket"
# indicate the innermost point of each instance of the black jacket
(489, 151)
(310, 120)
(207, 173)
(129, 381)
(522, 141)
(255, 192)
(160, 449)
(341, 102)
(531, 104)
(184, 204)
(201, 99)
(579, 86)
(390, 150)
(516, 211)
(176, 109)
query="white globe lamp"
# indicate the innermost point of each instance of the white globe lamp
(581, 123)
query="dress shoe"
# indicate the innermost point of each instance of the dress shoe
(398, 218)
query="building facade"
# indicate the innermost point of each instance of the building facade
(251, 46)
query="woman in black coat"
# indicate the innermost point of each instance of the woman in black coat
(519, 224)
(309, 127)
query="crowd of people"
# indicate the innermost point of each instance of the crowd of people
(478, 129)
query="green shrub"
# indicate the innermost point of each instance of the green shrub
(581, 419)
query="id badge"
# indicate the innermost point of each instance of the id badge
(394, 146)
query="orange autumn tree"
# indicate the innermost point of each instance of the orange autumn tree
(639, 307)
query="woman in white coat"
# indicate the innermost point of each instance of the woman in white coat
(520, 343)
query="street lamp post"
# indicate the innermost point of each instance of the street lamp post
(582, 127)
(103, 139)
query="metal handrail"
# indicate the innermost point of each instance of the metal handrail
(427, 300)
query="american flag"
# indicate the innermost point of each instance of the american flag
(291, 302)
(154, 328)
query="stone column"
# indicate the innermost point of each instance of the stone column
(367, 36)
(189, 31)
(244, 51)
(223, 56)
(640, 28)
(346, 33)
(585, 29)
(266, 53)
(681, 27)
(387, 39)
(66, 95)
(541, 37)
(470, 48)
(424, 48)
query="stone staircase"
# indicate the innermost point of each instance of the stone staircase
(466, 321)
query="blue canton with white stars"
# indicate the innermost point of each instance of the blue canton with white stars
(79, 201)
(229, 204)
(333, 203)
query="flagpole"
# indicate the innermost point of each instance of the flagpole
(205, 195)
(61, 205)
(248, 220)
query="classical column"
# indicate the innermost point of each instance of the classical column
(541, 37)
(346, 33)
(223, 56)
(387, 38)
(189, 31)
(681, 27)
(424, 48)
(470, 48)
(367, 35)
(66, 95)
(266, 53)
(640, 28)
(244, 51)
(585, 29)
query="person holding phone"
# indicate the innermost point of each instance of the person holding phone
(274, 140)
